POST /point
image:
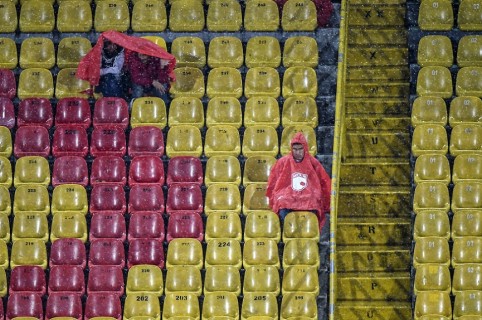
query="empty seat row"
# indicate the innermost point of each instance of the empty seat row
(438, 15)
(437, 81)
(437, 50)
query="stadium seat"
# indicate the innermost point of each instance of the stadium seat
(465, 110)
(107, 198)
(262, 110)
(146, 197)
(262, 278)
(301, 51)
(35, 111)
(222, 169)
(432, 277)
(24, 305)
(289, 132)
(262, 225)
(435, 50)
(184, 140)
(298, 304)
(466, 277)
(259, 304)
(30, 225)
(300, 81)
(260, 252)
(186, 16)
(299, 15)
(223, 252)
(6, 175)
(111, 15)
(223, 225)
(181, 279)
(108, 225)
(189, 83)
(220, 305)
(466, 250)
(8, 85)
(466, 195)
(257, 169)
(146, 170)
(185, 225)
(435, 15)
(222, 197)
(432, 167)
(67, 251)
(37, 52)
(103, 306)
(108, 141)
(468, 51)
(105, 279)
(300, 224)
(433, 250)
(32, 197)
(141, 305)
(300, 110)
(467, 304)
(263, 51)
(4, 258)
(149, 16)
(184, 197)
(254, 198)
(70, 198)
(70, 170)
(36, 16)
(73, 111)
(181, 305)
(224, 111)
(222, 140)
(431, 223)
(149, 111)
(431, 196)
(159, 41)
(68, 225)
(434, 81)
(189, 52)
(184, 169)
(260, 140)
(32, 170)
(301, 252)
(28, 279)
(225, 51)
(469, 18)
(466, 223)
(184, 251)
(224, 15)
(186, 110)
(106, 252)
(35, 83)
(7, 113)
(261, 15)
(5, 202)
(145, 278)
(111, 111)
(224, 82)
(222, 279)
(429, 110)
(8, 48)
(429, 139)
(465, 138)
(146, 251)
(468, 82)
(3, 287)
(108, 169)
(31, 252)
(146, 140)
(66, 279)
(146, 225)
(8, 17)
(262, 81)
(74, 16)
(70, 140)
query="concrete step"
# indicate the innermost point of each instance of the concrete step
(369, 310)
(377, 89)
(372, 258)
(373, 173)
(399, 73)
(369, 37)
(376, 57)
(369, 122)
(372, 144)
(383, 106)
(370, 14)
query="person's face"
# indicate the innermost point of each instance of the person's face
(298, 152)
(110, 47)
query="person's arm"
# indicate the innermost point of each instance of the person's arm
(325, 181)
(116, 68)
(273, 177)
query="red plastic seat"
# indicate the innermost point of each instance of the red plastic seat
(106, 279)
(8, 85)
(107, 226)
(107, 198)
(31, 141)
(146, 169)
(35, 111)
(103, 305)
(146, 225)
(108, 169)
(106, 252)
(68, 251)
(28, 279)
(70, 140)
(146, 140)
(23, 304)
(185, 225)
(73, 111)
(145, 251)
(63, 304)
(111, 111)
(67, 279)
(108, 141)
(184, 169)
(70, 170)
(146, 197)
(7, 113)
(184, 197)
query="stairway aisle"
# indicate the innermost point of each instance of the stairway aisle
(373, 233)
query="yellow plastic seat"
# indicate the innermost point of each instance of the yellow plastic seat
(68, 85)
(429, 139)
(429, 110)
(299, 15)
(221, 224)
(36, 16)
(469, 82)
(467, 223)
(262, 51)
(260, 252)
(261, 15)
(431, 250)
(8, 51)
(182, 305)
(225, 51)
(74, 16)
(300, 51)
(145, 278)
(30, 225)
(186, 16)
(189, 83)
(6, 146)
(224, 111)
(468, 304)
(224, 15)
(466, 250)
(434, 81)
(433, 304)
(222, 140)
(149, 111)
(301, 252)
(35, 83)
(149, 16)
(184, 140)
(5, 202)
(70, 198)
(224, 82)
(465, 110)
(436, 15)
(183, 279)
(69, 225)
(432, 167)
(467, 167)
(431, 196)
(468, 51)
(31, 252)
(6, 175)
(257, 304)
(431, 223)
(71, 50)
(4, 228)
(8, 16)
(222, 279)
(289, 132)
(263, 224)
(300, 110)
(262, 110)
(469, 16)
(467, 277)
(300, 81)
(184, 252)
(432, 277)
(466, 138)
(261, 278)
(111, 15)
(189, 52)
(222, 197)
(260, 140)
(32, 170)
(3, 283)
(262, 81)
(257, 169)
(159, 41)
(254, 199)
(223, 252)
(435, 50)
(31, 198)
(222, 169)
(4, 259)
(142, 305)
(301, 224)
(220, 305)
(186, 111)
(299, 305)
(466, 195)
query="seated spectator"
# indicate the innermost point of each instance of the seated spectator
(112, 63)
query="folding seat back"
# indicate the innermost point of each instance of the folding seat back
(35, 111)
(429, 138)
(262, 51)
(146, 170)
(260, 140)
(74, 16)
(434, 81)
(24, 305)
(8, 84)
(256, 304)
(111, 15)
(254, 198)
(185, 225)
(301, 252)
(223, 169)
(28, 279)
(429, 110)
(36, 16)
(146, 140)
(111, 111)
(431, 250)
(6, 174)
(69, 225)
(466, 278)
(67, 251)
(186, 110)
(69, 197)
(263, 224)
(7, 113)
(467, 167)
(433, 304)
(223, 252)
(220, 304)
(8, 17)
(431, 223)
(467, 304)
(70, 140)
(32, 170)
(261, 15)
(184, 197)
(468, 82)
(186, 16)
(222, 278)
(37, 52)
(262, 81)
(29, 252)
(31, 141)
(108, 169)
(261, 279)
(146, 251)
(68, 85)
(189, 83)
(146, 197)
(108, 140)
(300, 224)
(261, 110)
(149, 111)
(184, 169)
(299, 15)
(107, 252)
(73, 111)
(469, 17)
(149, 16)
(70, 170)
(430, 277)
(184, 251)
(300, 51)
(224, 111)
(468, 51)
(146, 225)
(224, 82)
(431, 196)
(222, 140)
(436, 15)
(159, 41)
(145, 278)
(300, 81)
(8, 56)
(466, 195)
(465, 138)
(296, 304)
(183, 279)
(189, 52)
(223, 225)
(4, 259)
(63, 304)
(299, 111)
(225, 51)
(257, 169)
(432, 167)
(108, 225)
(224, 15)
(435, 50)
(108, 198)
(260, 252)
(465, 110)
(222, 197)
(103, 305)
(3, 287)
(144, 305)
(5, 202)
(35, 82)
(105, 279)
(72, 49)
(184, 140)
(30, 225)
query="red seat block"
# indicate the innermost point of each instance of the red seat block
(185, 169)
(67, 279)
(106, 279)
(28, 279)
(145, 251)
(107, 198)
(8, 85)
(31, 141)
(74, 111)
(106, 252)
(23, 304)
(103, 305)
(146, 140)
(108, 169)
(111, 111)
(67, 251)
(63, 304)
(146, 225)
(146, 197)
(185, 225)
(108, 141)
(107, 225)
(146, 169)
(70, 170)
(7, 113)
(35, 111)
(70, 140)
(184, 197)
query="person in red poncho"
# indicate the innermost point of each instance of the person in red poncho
(298, 182)
(149, 76)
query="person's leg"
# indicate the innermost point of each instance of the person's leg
(137, 91)
(111, 86)
(282, 214)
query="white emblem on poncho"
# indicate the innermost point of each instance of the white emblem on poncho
(299, 181)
